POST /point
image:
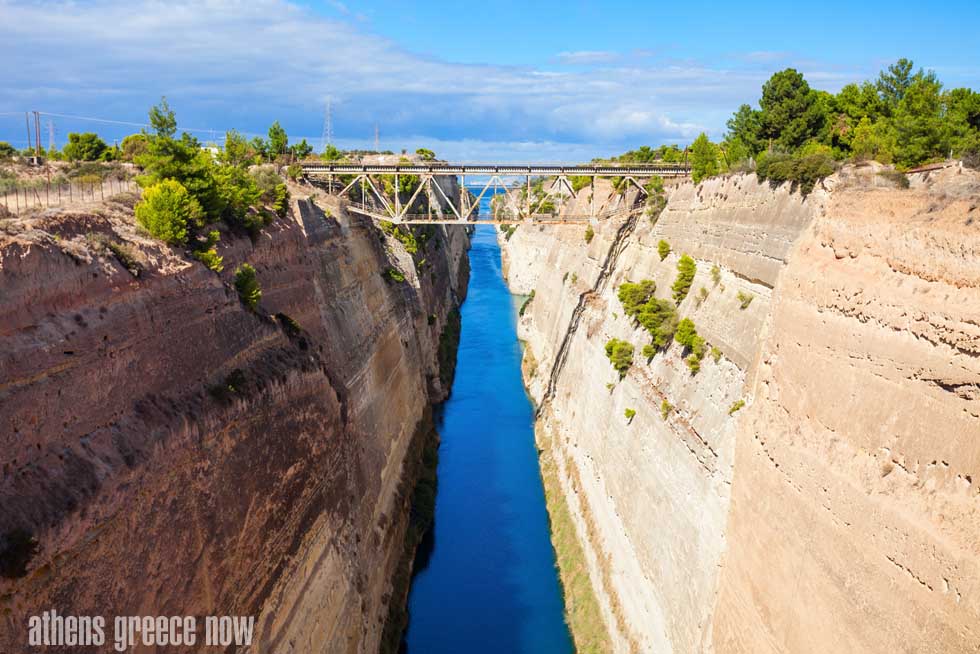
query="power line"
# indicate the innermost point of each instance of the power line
(125, 123)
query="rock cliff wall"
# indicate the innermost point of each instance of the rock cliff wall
(837, 509)
(174, 453)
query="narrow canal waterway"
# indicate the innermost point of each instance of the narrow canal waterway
(489, 583)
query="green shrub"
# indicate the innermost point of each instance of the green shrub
(804, 171)
(610, 386)
(715, 274)
(280, 203)
(663, 249)
(402, 234)
(744, 299)
(589, 234)
(525, 304)
(685, 277)
(210, 259)
(620, 354)
(574, 277)
(85, 147)
(693, 363)
(634, 296)
(686, 333)
(715, 354)
(701, 296)
(167, 211)
(736, 406)
(394, 275)
(630, 414)
(659, 317)
(247, 285)
(649, 351)
(294, 171)
(665, 409)
(290, 326)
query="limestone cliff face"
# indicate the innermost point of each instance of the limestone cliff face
(838, 510)
(174, 453)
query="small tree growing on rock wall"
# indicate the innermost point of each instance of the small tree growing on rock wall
(620, 354)
(685, 276)
(247, 285)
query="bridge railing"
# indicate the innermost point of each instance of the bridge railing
(598, 170)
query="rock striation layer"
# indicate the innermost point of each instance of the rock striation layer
(173, 453)
(814, 488)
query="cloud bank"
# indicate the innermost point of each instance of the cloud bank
(226, 64)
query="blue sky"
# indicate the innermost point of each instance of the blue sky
(543, 81)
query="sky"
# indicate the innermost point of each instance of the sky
(484, 81)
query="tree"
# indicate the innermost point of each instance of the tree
(133, 146)
(918, 122)
(260, 146)
(425, 154)
(237, 151)
(659, 317)
(247, 285)
(685, 276)
(237, 192)
(686, 332)
(872, 141)
(278, 141)
(168, 212)
(302, 150)
(704, 158)
(962, 123)
(634, 296)
(84, 147)
(7, 150)
(745, 130)
(663, 249)
(163, 120)
(331, 153)
(790, 112)
(894, 82)
(620, 355)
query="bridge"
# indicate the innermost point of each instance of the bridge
(376, 203)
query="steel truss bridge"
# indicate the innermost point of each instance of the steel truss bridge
(463, 209)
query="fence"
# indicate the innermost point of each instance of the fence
(54, 194)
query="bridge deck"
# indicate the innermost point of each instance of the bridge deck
(608, 170)
(536, 219)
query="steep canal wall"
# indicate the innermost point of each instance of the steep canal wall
(812, 487)
(167, 451)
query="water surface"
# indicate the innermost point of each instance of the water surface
(488, 582)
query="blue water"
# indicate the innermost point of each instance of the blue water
(489, 583)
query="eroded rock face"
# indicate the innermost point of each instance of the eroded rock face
(174, 453)
(837, 510)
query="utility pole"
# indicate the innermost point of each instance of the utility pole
(37, 135)
(50, 136)
(27, 126)
(377, 141)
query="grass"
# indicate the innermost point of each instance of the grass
(525, 304)
(582, 612)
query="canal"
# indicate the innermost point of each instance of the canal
(486, 581)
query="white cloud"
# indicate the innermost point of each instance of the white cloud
(586, 57)
(234, 64)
